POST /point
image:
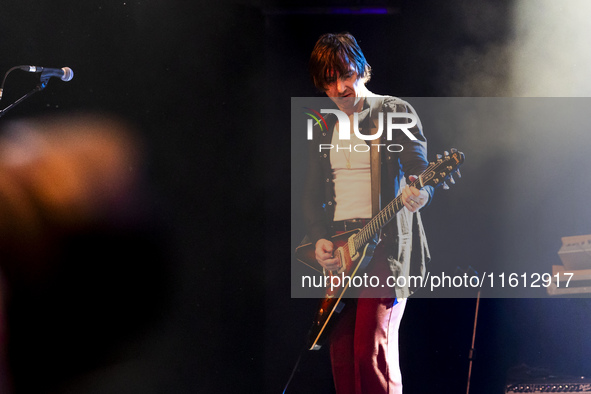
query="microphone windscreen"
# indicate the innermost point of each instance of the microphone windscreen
(68, 74)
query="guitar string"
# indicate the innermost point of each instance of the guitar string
(374, 225)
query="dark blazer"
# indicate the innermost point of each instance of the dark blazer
(319, 196)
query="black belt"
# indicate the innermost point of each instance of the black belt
(351, 224)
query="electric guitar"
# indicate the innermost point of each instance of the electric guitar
(355, 248)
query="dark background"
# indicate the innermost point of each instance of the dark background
(208, 87)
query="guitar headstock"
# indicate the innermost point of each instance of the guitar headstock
(442, 170)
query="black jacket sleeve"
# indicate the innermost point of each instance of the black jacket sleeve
(413, 157)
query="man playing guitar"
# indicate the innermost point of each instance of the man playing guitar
(338, 197)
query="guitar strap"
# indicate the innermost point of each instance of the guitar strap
(375, 105)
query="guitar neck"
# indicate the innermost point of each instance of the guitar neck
(435, 175)
(382, 218)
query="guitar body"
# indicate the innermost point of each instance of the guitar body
(332, 304)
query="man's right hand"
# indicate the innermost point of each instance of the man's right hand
(325, 256)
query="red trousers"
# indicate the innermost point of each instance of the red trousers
(364, 342)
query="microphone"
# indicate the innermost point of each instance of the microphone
(65, 74)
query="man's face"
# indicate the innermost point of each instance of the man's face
(346, 91)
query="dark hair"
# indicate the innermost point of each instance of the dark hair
(336, 53)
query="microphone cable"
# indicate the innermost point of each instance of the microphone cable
(4, 79)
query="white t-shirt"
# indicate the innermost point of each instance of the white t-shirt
(350, 161)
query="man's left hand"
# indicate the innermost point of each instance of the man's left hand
(413, 198)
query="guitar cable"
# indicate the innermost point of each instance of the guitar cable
(295, 368)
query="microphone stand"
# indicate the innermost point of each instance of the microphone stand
(471, 355)
(38, 88)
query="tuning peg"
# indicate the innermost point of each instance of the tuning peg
(458, 173)
(439, 157)
(451, 180)
(445, 186)
(454, 150)
(446, 153)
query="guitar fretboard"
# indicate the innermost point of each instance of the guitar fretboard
(434, 175)
(379, 221)
(384, 216)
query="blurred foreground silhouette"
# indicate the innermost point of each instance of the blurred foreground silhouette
(81, 252)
